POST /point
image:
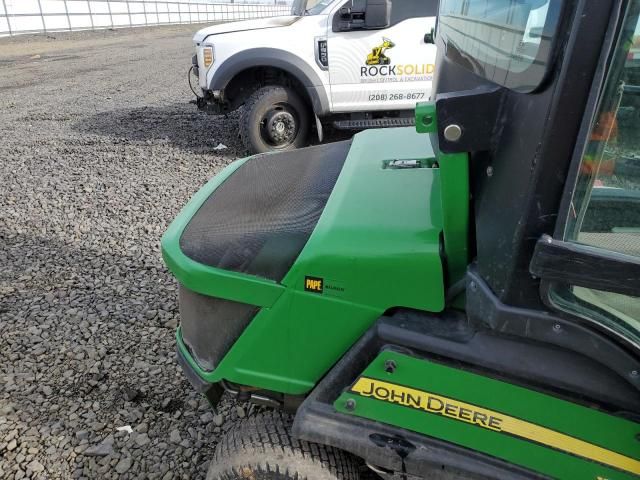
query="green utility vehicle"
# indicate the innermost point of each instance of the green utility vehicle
(461, 299)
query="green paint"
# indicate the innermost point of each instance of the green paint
(454, 177)
(378, 237)
(613, 433)
(376, 246)
(426, 117)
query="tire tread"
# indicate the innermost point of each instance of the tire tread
(246, 124)
(266, 436)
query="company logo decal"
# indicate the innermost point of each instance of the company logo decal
(313, 284)
(428, 402)
(378, 67)
(377, 55)
(431, 403)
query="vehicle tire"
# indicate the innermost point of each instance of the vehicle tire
(261, 447)
(274, 118)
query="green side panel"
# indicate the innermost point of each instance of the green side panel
(376, 246)
(289, 347)
(203, 278)
(536, 431)
(378, 240)
(454, 178)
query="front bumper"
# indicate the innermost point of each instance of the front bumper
(212, 101)
(209, 100)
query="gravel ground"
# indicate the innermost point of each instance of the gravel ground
(100, 149)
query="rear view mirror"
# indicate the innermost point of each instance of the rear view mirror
(365, 15)
(377, 14)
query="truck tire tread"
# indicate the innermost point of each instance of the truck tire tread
(247, 124)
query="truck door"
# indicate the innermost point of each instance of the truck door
(384, 69)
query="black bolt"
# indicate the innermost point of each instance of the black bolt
(390, 366)
(350, 405)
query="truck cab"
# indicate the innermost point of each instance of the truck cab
(354, 64)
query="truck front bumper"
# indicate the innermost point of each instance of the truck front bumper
(211, 101)
(208, 100)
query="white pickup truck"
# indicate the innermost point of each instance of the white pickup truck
(354, 63)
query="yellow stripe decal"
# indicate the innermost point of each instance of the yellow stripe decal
(490, 420)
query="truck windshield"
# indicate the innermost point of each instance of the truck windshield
(505, 41)
(309, 7)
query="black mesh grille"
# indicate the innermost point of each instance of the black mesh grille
(210, 326)
(260, 218)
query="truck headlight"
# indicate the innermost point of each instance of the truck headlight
(207, 56)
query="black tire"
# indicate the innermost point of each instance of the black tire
(261, 447)
(267, 108)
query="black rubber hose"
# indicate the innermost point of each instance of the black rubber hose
(189, 80)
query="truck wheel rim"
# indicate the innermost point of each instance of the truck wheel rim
(279, 127)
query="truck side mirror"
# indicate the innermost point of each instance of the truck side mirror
(377, 14)
(365, 15)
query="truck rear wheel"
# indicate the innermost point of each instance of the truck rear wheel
(261, 447)
(274, 118)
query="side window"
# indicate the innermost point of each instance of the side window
(507, 42)
(404, 9)
(605, 209)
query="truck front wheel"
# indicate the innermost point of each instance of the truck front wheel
(261, 447)
(274, 118)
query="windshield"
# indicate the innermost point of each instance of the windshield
(309, 7)
(505, 41)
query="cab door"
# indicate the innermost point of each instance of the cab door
(385, 69)
(591, 268)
